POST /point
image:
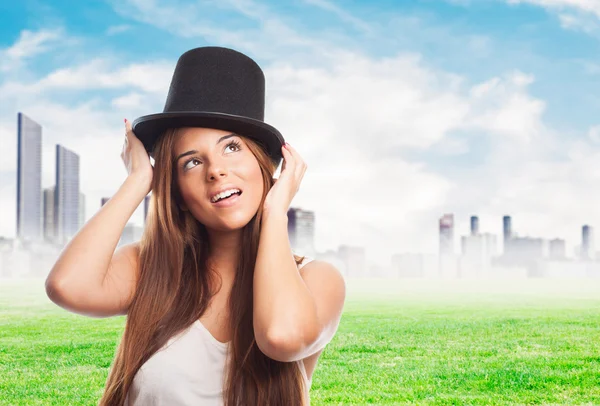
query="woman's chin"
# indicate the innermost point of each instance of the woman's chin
(228, 224)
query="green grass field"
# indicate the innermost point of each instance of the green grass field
(399, 342)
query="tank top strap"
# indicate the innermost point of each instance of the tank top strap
(305, 261)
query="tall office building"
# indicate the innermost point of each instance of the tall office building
(301, 230)
(507, 233)
(446, 223)
(49, 230)
(587, 242)
(447, 259)
(477, 253)
(474, 225)
(81, 210)
(29, 179)
(354, 260)
(66, 196)
(146, 207)
(131, 233)
(557, 249)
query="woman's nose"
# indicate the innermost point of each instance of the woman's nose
(216, 169)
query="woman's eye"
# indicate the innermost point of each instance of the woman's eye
(234, 144)
(231, 144)
(188, 162)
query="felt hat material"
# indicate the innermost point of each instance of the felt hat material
(217, 88)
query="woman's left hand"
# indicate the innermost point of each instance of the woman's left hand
(280, 196)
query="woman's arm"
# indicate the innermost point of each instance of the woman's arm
(282, 301)
(77, 278)
(82, 265)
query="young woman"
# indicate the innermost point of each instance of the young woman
(220, 311)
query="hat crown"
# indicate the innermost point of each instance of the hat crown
(216, 79)
(214, 87)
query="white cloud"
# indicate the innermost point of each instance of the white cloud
(579, 15)
(269, 36)
(355, 120)
(587, 6)
(342, 14)
(586, 23)
(28, 45)
(503, 107)
(130, 101)
(100, 73)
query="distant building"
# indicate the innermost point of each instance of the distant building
(446, 224)
(66, 195)
(29, 179)
(354, 259)
(477, 253)
(556, 249)
(81, 210)
(506, 232)
(146, 207)
(131, 233)
(587, 242)
(447, 260)
(49, 229)
(333, 257)
(301, 231)
(474, 225)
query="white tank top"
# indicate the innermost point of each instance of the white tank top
(187, 370)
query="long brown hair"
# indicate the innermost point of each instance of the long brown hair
(173, 292)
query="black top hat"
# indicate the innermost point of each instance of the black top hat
(218, 88)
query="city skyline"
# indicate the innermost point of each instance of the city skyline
(66, 209)
(51, 214)
(453, 106)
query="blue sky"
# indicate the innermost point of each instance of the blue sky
(481, 107)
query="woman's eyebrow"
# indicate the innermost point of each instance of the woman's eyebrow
(193, 151)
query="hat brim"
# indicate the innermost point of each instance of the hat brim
(150, 127)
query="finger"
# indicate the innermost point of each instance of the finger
(290, 153)
(295, 159)
(126, 134)
(294, 154)
(288, 165)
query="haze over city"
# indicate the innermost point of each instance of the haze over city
(401, 113)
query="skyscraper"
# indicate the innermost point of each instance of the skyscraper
(66, 196)
(301, 231)
(146, 207)
(29, 179)
(557, 249)
(447, 260)
(507, 233)
(474, 225)
(587, 242)
(81, 210)
(447, 234)
(49, 230)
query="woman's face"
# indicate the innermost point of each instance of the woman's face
(208, 161)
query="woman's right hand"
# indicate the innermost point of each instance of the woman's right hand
(136, 158)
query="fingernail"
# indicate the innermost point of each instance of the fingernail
(125, 120)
